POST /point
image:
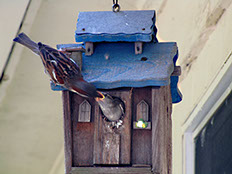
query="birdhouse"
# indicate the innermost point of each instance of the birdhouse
(121, 56)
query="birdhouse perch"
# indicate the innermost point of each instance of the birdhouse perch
(121, 57)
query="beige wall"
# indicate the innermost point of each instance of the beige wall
(202, 30)
(31, 133)
(11, 14)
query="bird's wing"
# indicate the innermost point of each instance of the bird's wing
(58, 65)
(80, 86)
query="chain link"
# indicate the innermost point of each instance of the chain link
(116, 6)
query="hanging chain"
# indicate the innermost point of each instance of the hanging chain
(116, 6)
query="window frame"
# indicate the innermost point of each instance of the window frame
(218, 91)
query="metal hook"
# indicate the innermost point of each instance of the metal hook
(116, 6)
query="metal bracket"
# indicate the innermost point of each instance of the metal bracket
(138, 47)
(88, 48)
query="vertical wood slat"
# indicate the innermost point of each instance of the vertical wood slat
(161, 130)
(97, 154)
(67, 131)
(141, 138)
(110, 151)
(83, 133)
(169, 124)
(124, 132)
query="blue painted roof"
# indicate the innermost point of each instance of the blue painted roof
(125, 69)
(129, 26)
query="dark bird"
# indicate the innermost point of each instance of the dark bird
(61, 69)
(112, 107)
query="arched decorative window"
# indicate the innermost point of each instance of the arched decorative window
(142, 120)
(84, 112)
(142, 111)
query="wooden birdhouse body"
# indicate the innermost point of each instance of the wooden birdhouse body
(124, 59)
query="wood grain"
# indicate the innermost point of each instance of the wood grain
(67, 131)
(110, 151)
(141, 139)
(111, 170)
(141, 147)
(101, 129)
(83, 133)
(161, 130)
(169, 131)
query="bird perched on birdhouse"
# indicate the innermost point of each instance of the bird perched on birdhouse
(61, 69)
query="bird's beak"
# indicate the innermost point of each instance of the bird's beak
(100, 98)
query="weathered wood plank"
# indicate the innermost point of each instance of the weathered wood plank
(141, 94)
(111, 170)
(83, 144)
(141, 139)
(110, 151)
(67, 131)
(141, 147)
(83, 134)
(124, 131)
(169, 126)
(161, 130)
(177, 71)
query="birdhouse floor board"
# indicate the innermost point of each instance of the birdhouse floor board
(111, 170)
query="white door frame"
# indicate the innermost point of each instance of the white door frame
(203, 112)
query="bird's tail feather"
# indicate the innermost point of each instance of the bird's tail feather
(26, 41)
(86, 89)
